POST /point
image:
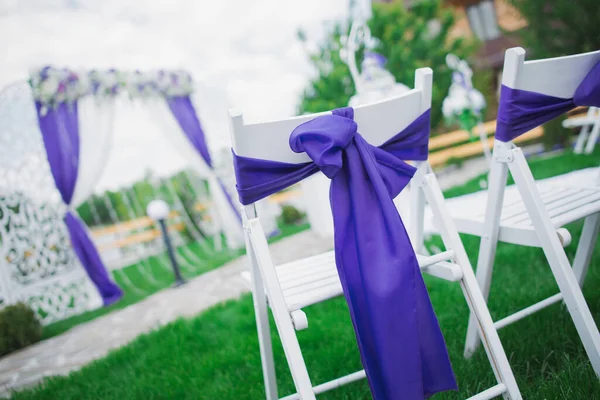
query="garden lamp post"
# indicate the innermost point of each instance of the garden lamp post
(158, 210)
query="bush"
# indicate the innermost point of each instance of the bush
(291, 215)
(19, 327)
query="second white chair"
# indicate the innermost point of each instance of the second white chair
(534, 92)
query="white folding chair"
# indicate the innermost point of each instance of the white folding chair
(288, 288)
(590, 130)
(537, 220)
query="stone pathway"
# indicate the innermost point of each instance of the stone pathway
(92, 340)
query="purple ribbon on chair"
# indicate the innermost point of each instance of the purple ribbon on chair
(401, 345)
(522, 110)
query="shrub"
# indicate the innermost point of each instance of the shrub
(19, 327)
(291, 215)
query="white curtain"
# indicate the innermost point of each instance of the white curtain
(228, 221)
(95, 135)
(96, 122)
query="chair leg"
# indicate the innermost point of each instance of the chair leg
(485, 266)
(258, 250)
(485, 326)
(487, 248)
(575, 302)
(559, 263)
(480, 314)
(266, 348)
(261, 313)
(585, 248)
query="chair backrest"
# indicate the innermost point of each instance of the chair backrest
(377, 123)
(558, 77)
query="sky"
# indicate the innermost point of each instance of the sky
(242, 54)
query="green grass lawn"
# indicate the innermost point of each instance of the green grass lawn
(216, 356)
(137, 286)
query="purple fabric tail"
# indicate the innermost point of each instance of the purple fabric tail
(60, 132)
(91, 261)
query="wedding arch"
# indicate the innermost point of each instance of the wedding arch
(55, 135)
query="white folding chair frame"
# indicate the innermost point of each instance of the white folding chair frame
(452, 265)
(590, 130)
(508, 157)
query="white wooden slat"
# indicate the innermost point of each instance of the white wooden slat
(561, 206)
(576, 214)
(517, 207)
(306, 299)
(315, 279)
(314, 285)
(327, 257)
(558, 209)
(564, 204)
(299, 273)
(490, 393)
(324, 273)
(569, 197)
(565, 196)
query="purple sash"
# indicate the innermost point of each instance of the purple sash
(522, 110)
(400, 342)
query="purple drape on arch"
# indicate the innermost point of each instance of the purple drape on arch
(60, 132)
(184, 112)
(402, 348)
(521, 110)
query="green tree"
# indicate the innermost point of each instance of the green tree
(560, 27)
(406, 39)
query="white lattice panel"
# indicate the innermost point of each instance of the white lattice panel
(37, 264)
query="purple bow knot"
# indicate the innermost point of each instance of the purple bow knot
(324, 138)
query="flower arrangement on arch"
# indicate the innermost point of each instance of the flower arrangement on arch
(53, 86)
